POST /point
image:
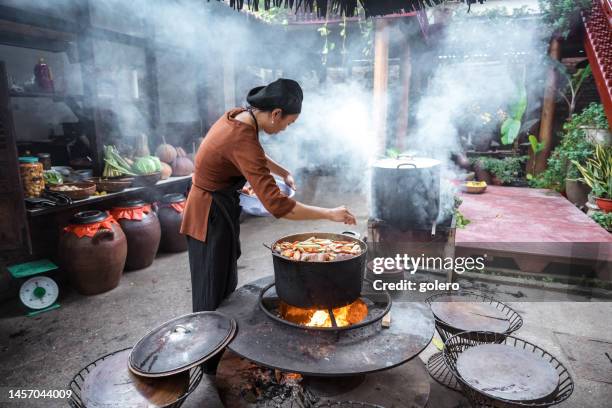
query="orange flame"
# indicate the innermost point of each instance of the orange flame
(345, 316)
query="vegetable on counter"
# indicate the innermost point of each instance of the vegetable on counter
(53, 177)
(166, 152)
(115, 165)
(182, 166)
(146, 165)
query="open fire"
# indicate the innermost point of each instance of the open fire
(344, 316)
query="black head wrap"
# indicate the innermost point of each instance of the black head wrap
(285, 94)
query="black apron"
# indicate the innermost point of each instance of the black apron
(214, 263)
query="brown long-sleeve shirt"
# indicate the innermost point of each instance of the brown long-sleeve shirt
(230, 149)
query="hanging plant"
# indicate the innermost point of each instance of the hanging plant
(328, 46)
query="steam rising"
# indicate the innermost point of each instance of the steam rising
(477, 63)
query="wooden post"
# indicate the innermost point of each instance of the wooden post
(401, 129)
(381, 77)
(548, 108)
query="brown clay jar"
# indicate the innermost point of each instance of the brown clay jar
(170, 213)
(141, 227)
(92, 250)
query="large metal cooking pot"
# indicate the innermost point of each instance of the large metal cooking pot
(320, 285)
(406, 191)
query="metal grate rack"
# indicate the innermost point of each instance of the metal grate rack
(436, 366)
(465, 340)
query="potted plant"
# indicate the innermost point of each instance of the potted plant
(597, 173)
(504, 171)
(603, 219)
(561, 174)
(480, 166)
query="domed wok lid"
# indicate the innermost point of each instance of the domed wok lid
(182, 343)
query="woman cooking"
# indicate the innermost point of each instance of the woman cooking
(230, 155)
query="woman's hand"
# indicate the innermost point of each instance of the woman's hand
(341, 214)
(288, 179)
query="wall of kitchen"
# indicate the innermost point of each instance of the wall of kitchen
(35, 117)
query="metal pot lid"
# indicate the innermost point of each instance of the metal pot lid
(136, 202)
(111, 384)
(407, 162)
(182, 343)
(88, 217)
(173, 198)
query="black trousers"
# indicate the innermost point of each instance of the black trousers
(213, 266)
(213, 263)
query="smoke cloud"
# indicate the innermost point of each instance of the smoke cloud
(476, 65)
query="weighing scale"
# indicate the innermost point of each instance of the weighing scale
(39, 293)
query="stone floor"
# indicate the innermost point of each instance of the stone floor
(45, 351)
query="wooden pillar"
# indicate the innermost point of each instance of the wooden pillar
(381, 78)
(548, 108)
(401, 128)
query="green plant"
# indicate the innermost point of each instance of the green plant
(460, 220)
(561, 14)
(536, 148)
(603, 219)
(573, 147)
(597, 171)
(573, 83)
(506, 170)
(274, 15)
(328, 45)
(512, 125)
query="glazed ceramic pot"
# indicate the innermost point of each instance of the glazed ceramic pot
(170, 213)
(92, 251)
(142, 230)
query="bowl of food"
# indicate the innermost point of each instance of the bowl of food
(475, 187)
(76, 191)
(252, 205)
(147, 180)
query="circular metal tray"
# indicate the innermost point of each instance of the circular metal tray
(77, 382)
(366, 349)
(446, 331)
(457, 344)
(436, 365)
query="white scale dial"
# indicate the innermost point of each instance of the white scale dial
(39, 292)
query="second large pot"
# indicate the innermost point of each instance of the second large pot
(142, 230)
(406, 191)
(320, 285)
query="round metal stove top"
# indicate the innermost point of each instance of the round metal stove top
(363, 350)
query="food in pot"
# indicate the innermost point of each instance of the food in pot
(66, 188)
(318, 250)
